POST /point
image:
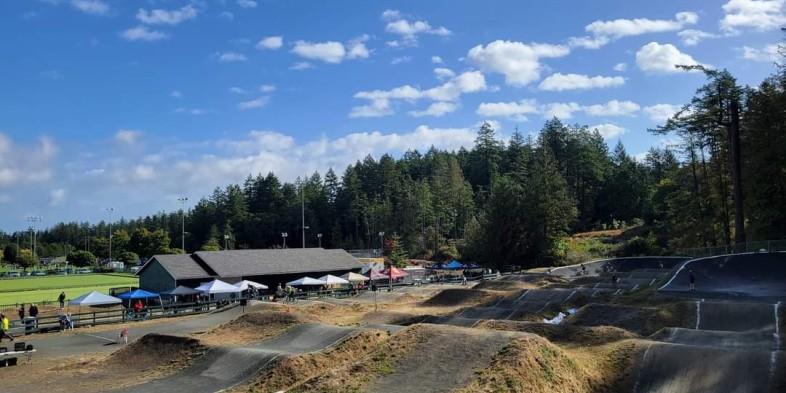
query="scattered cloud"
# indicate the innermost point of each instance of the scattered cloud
(621, 67)
(409, 30)
(332, 52)
(519, 62)
(693, 37)
(562, 82)
(191, 111)
(21, 164)
(436, 109)
(436, 59)
(381, 101)
(226, 15)
(608, 130)
(165, 17)
(444, 73)
(613, 108)
(92, 7)
(272, 42)
(662, 58)
(231, 57)
(267, 88)
(143, 33)
(238, 90)
(253, 104)
(769, 53)
(400, 59)
(603, 32)
(513, 110)
(128, 137)
(659, 113)
(356, 48)
(301, 65)
(176, 94)
(246, 3)
(57, 197)
(760, 15)
(562, 110)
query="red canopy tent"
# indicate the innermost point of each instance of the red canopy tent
(376, 275)
(395, 273)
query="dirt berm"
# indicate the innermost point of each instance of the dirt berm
(460, 297)
(641, 320)
(253, 327)
(566, 334)
(156, 350)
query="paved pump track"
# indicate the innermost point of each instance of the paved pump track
(222, 368)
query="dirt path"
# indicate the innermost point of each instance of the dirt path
(446, 361)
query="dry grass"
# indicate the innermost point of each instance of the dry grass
(641, 320)
(252, 327)
(461, 297)
(565, 335)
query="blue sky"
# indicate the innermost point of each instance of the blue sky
(131, 104)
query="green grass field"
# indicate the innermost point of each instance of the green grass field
(40, 289)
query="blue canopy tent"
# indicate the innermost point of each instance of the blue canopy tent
(454, 265)
(137, 294)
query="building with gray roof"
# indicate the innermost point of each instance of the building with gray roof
(270, 267)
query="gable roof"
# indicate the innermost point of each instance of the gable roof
(239, 263)
(179, 266)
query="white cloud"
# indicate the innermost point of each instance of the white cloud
(164, 17)
(272, 42)
(451, 90)
(603, 32)
(561, 82)
(436, 109)
(693, 37)
(769, 53)
(238, 90)
(514, 110)
(127, 136)
(356, 48)
(758, 15)
(267, 88)
(247, 3)
(519, 62)
(409, 30)
(436, 59)
(92, 7)
(191, 111)
(400, 59)
(253, 104)
(176, 94)
(621, 67)
(655, 57)
(301, 65)
(231, 57)
(226, 15)
(444, 73)
(562, 110)
(25, 164)
(57, 197)
(143, 33)
(613, 108)
(608, 130)
(659, 113)
(329, 52)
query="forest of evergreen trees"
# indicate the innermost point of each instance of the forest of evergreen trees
(502, 203)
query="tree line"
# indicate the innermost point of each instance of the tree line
(721, 183)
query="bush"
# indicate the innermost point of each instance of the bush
(640, 246)
(81, 258)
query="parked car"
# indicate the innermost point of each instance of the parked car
(13, 274)
(39, 273)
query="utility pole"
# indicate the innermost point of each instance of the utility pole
(183, 201)
(226, 241)
(303, 210)
(110, 210)
(284, 238)
(381, 243)
(32, 220)
(319, 240)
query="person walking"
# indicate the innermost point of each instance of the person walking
(21, 312)
(583, 270)
(124, 335)
(33, 312)
(5, 325)
(691, 281)
(61, 299)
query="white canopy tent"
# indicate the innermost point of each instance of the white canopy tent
(333, 280)
(354, 277)
(246, 285)
(94, 298)
(217, 287)
(305, 281)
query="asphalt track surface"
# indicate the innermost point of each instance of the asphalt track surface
(754, 275)
(618, 265)
(222, 368)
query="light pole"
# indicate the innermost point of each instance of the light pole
(33, 220)
(381, 243)
(110, 210)
(183, 201)
(226, 241)
(304, 235)
(319, 240)
(284, 237)
(303, 211)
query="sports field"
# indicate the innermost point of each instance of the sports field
(41, 289)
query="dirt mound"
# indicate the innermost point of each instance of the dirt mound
(155, 350)
(252, 327)
(532, 364)
(498, 285)
(641, 320)
(294, 371)
(393, 318)
(563, 334)
(459, 297)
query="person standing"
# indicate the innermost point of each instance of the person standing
(21, 312)
(33, 312)
(5, 325)
(61, 299)
(691, 281)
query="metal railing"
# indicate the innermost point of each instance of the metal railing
(752, 246)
